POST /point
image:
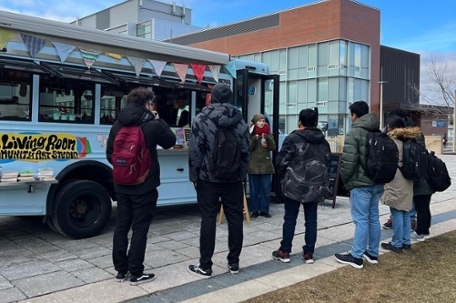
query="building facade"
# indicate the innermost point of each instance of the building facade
(143, 18)
(327, 54)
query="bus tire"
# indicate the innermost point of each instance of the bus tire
(82, 208)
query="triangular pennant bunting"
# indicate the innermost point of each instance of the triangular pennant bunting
(89, 56)
(159, 66)
(215, 70)
(63, 50)
(198, 70)
(115, 56)
(5, 36)
(138, 64)
(231, 68)
(181, 70)
(34, 44)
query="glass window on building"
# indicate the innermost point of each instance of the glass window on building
(144, 30)
(312, 55)
(292, 103)
(323, 59)
(302, 94)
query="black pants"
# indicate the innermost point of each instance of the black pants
(231, 195)
(137, 212)
(423, 214)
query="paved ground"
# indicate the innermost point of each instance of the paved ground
(38, 265)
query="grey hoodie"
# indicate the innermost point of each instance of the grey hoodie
(204, 127)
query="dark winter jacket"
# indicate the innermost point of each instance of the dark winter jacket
(156, 132)
(302, 165)
(204, 127)
(260, 157)
(355, 152)
(421, 187)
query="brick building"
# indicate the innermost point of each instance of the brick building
(327, 54)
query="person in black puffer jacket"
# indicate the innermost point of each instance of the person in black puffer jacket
(211, 192)
(302, 167)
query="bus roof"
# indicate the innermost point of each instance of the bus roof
(64, 32)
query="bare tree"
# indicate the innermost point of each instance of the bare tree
(437, 91)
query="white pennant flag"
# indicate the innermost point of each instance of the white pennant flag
(215, 70)
(159, 66)
(63, 50)
(138, 64)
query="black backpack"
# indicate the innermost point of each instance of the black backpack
(225, 161)
(382, 157)
(438, 176)
(414, 160)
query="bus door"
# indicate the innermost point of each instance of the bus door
(259, 93)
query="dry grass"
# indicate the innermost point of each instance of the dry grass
(425, 274)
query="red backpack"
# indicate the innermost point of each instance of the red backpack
(130, 158)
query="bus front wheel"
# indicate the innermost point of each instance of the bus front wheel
(82, 208)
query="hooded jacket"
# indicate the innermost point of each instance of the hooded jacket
(421, 187)
(204, 128)
(398, 193)
(260, 157)
(355, 152)
(156, 132)
(304, 157)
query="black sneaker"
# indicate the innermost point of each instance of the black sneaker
(369, 258)
(389, 246)
(282, 256)
(265, 214)
(350, 260)
(135, 280)
(200, 272)
(308, 258)
(120, 277)
(254, 215)
(234, 268)
(406, 246)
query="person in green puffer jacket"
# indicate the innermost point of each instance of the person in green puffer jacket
(364, 193)
(260, 166)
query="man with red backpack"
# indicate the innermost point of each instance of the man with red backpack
(132, 150)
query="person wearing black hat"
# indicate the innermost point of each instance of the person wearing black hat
(260, 167)
(211, 191)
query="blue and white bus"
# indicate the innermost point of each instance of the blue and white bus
(61, 87)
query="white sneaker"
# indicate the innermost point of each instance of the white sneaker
(417, 237)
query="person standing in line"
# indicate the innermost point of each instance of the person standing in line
(221, 114)
(444, 141)
(398, 193)
(422, 193)
(260, 167)
(408, 123)
(136, 203)
(302, 166)
(364, 193)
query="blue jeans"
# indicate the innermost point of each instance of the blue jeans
(289, 224)
(412, 212)
(401, 227)
(364, 210)
(260, 186)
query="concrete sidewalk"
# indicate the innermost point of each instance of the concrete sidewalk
(38, 265)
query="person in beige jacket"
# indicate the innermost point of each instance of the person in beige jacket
(398, 194)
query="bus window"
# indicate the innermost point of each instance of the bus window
(15, 95)
(69, 101)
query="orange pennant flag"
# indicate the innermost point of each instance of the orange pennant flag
(181, 70)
